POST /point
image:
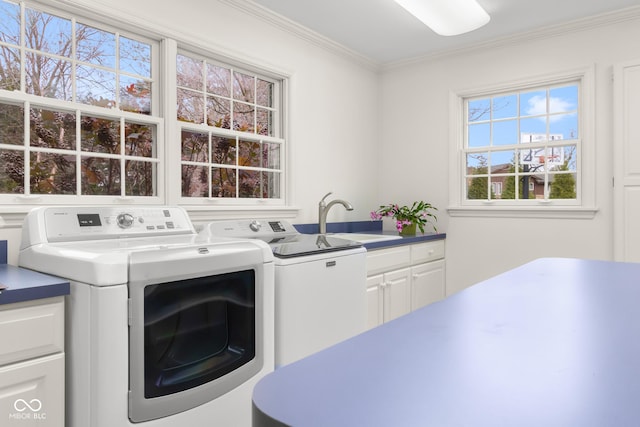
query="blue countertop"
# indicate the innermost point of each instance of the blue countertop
(25, 285)
(403, 240)
(555, 342)
(371, 227)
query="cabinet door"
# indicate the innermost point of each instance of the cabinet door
(427, 283)
(375, 301)
(32, 393)
(397, 293)
(31, 329)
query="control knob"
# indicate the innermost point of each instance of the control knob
(255, 226)
(124, 220)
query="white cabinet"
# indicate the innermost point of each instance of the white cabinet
(32, 363)
(427, 283)
(375, 301)
(397, 293)
(404, 278)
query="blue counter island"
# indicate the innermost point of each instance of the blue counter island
(555, 342)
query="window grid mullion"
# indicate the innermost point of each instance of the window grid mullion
(204, 92)
(237, 163)
(232, 105)
(78, 152)
(23, 45)
(27, 153)
(209, 167)
(123, 181)
(116, 66)
(73, 59)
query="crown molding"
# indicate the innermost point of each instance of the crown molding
(304, 33)
(578, 25)
(298, 30)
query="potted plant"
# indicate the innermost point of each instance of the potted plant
(407, 218)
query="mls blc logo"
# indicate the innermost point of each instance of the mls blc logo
(21, 405)
(28, 410)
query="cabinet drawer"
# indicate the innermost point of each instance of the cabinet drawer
(425, 252)
(32, 393)
(382, 260)
(31, 329)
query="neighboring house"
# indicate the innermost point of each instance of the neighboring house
(531, 160)
(536, 185)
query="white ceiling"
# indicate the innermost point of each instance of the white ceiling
(384, 32)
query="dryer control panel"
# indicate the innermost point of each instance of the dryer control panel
(73, 223)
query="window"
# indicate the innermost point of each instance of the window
(230, 133)
(525, 148)
(81, 120)
(76, 109)
(522, 139)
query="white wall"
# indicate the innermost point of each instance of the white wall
(415, 153)
(332, 104)
(384, 138)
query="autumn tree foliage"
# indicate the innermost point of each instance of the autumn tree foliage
(82, 69)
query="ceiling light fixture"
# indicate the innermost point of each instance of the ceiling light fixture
(447, 17)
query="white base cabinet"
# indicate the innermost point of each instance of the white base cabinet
(32, 363)
(427, 283)
(404, 278)
(375, 301)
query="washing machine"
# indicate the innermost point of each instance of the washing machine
(163, 328)
(320, 285)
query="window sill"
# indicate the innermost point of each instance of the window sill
(559, 212)
(13, 217)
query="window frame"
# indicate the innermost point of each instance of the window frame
(23, 202)
(279, 80)
(33, 101)
(584, 204)
(165, 42)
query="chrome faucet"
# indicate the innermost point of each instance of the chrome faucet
(323, 209)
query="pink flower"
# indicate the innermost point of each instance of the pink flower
(375, 216)
(400, 224)
(417, 213)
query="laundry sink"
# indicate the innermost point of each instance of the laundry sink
(364, 237)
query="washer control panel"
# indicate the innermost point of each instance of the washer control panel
(125, 220)
(85, 223)
(251, 228)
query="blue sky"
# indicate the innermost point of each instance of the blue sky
(550, 112)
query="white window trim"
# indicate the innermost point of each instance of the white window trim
(213, 206)
(11, 216)
(584, 208)
(15, 205)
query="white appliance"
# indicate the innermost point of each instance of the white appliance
(320, 285)
(163, 328)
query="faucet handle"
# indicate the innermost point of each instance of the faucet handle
(326, 195)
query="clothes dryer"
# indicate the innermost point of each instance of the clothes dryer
(163, 328)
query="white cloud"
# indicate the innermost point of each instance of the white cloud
(538, 105)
